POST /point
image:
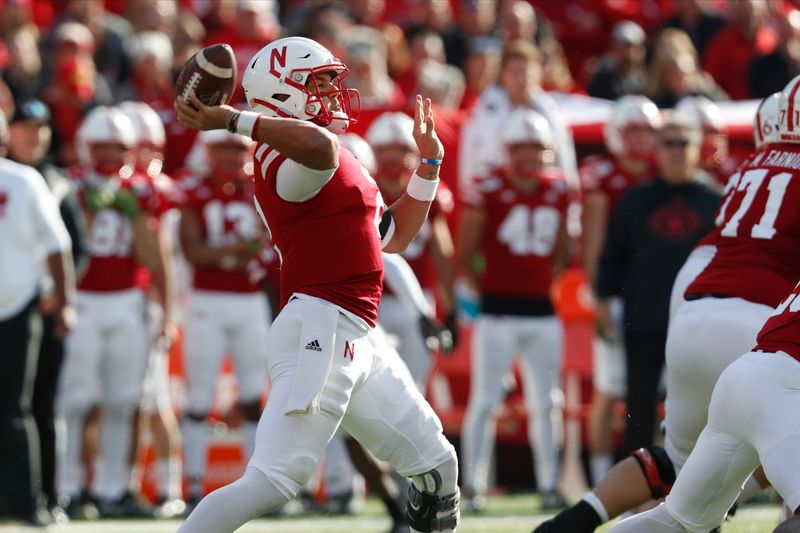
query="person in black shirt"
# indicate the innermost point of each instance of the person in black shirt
(652, 232)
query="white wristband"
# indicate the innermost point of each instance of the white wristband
(246, 123)
(421, 189)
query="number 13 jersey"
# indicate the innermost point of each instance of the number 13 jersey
(758, 230)
(520, 233)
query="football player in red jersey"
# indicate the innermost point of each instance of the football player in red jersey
(754, 264)
(156, 402)
(328, 223)
(106, 354)
(516, 219)
(752, 421)
(430, 253)
(220, 233)
(630, 137)
(765, 131)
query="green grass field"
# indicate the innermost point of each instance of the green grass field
(509, 514)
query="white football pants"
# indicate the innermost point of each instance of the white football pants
(496, 341)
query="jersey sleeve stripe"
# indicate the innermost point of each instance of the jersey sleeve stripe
(260, 152)
(271, 156)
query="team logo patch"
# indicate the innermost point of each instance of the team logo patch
(314, 346)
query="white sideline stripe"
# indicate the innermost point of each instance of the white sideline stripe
(261, 151)
(211, 68)
(267, 160)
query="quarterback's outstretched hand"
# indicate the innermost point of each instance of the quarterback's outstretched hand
(199, 116)
(428, 143)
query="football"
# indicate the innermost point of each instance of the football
(210, 73)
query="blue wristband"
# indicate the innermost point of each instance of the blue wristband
(430, 161)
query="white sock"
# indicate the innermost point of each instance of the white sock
(169, 477)
(592, 499)
(228, 508)
(249, 439)
(599, 465)
(116, 431)
(195, 450)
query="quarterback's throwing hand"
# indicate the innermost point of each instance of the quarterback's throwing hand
(428, 143)
(199, 116)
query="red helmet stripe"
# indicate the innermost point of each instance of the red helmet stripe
(758, 120)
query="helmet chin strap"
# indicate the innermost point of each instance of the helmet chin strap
(339, 122)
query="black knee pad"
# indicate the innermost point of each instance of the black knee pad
(424, 506)
(657, 468)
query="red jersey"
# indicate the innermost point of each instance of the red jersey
(781, 332)
(758, 235)
(112, 262)
(602, 173)
(417, 254)
(329, 245)
(227, 216)
(520, 233)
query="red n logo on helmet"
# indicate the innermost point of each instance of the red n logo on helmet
(278, 56)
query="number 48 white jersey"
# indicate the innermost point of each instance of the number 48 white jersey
(758, 230)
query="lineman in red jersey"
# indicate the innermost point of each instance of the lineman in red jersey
(630, 137)
(517, 220)
(765, 131)
(220, 233)
(755, 262)
(106, 354)
(328, 223)
(752, 420)
(430, 253)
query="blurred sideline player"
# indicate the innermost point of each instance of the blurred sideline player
(756, 238)
(220, 235)
(516, 219)
(430, 254)
(630, 138)
(752, 420)
(156, 402)
(715, 157)
(106, 354)
(329, 224)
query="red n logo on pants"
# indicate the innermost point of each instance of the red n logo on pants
(349, 349)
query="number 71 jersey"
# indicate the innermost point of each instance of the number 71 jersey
(758, 230)
(520, 233)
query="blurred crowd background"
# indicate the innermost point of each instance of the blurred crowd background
(75, 54)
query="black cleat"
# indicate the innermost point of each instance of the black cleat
(552, 501)
(83, 507)
(128, 505)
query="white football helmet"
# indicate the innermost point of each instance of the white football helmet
(360, 149)
(275, 83)
(708, 117)
(198, 159)
(103, 125)
(705, 112)
(149, 127)
(629, 111)
(789, 110)
(765, 123)
(528, 126)
(392, 128)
